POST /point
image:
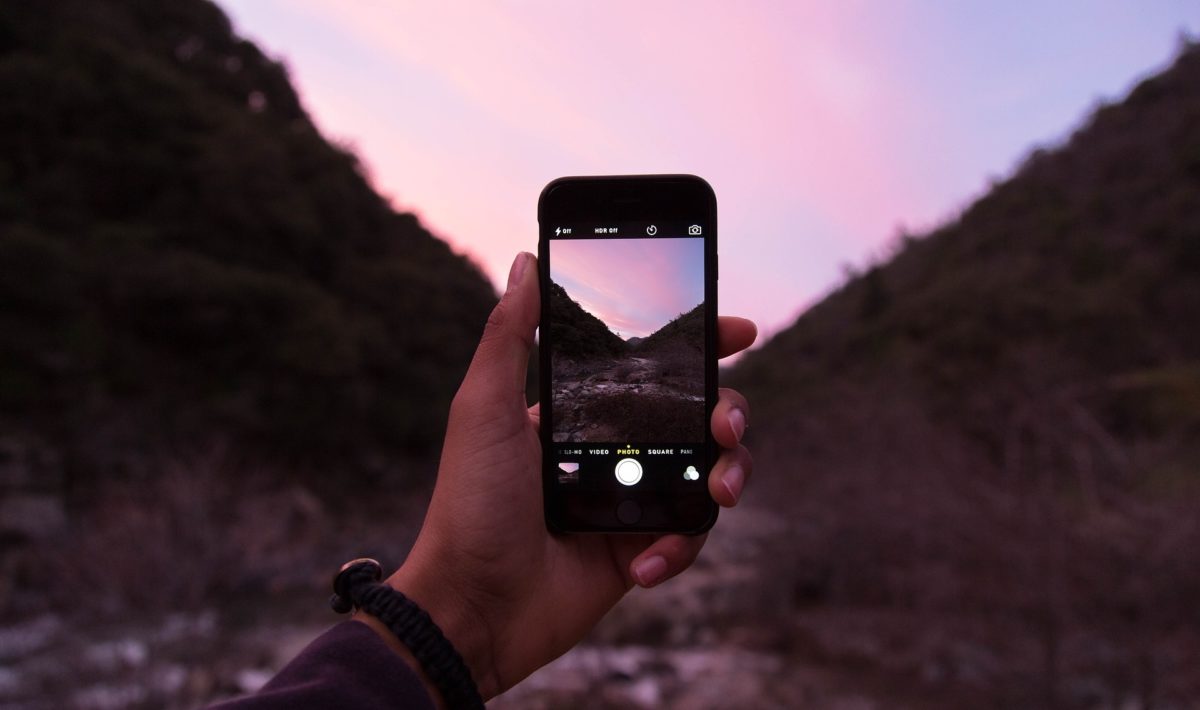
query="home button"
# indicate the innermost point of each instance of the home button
(629, 512)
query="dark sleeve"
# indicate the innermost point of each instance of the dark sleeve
(348, 666)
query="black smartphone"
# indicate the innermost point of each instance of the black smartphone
(628, 270)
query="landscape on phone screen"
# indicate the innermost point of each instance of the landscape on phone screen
(626, 330)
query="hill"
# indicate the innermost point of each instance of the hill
(606, 389)
(678, 347)
(577, 334)
(995, 434)
(685, 331)
(184, 257)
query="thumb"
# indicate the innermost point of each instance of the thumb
(497, 372)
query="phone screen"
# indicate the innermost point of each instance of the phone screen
(626, 332)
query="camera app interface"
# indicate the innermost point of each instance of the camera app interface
(626, 332)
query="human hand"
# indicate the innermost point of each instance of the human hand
(508, 594)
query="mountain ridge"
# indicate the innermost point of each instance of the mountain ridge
(1065, 258)
(575, 332)
(184, 256)
(1000, 425)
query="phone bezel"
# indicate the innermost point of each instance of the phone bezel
(629, 198)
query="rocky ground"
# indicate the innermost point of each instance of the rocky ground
(666, 647)
(716, 637)
(733, 632)
(582, 387)
(174, 661)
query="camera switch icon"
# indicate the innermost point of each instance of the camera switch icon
(694, 230)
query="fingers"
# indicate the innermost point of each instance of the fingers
(730, 418)
(734, 335)
(671, 554)
(497, 372)
(664, 558)
(729, 421)
(729, 476)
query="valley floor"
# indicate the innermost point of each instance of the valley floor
(631, 399)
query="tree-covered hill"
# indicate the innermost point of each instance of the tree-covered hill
(577, 334)
(686, 330)
(994, 435)
(183, 254)
(1079, 275)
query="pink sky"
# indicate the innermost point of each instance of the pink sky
(823, 127)
(635, 286)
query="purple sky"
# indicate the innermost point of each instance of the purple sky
(635, 286)
(824, 127)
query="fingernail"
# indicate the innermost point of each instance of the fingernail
(734, 478)
(518, 270)
(737, 422)
(650, 571)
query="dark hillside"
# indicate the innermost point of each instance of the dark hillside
(678, 346)
(606, 389)
(686, 328)
(1000, 426)
(1082, 272)
(577, 334)
(183, 255)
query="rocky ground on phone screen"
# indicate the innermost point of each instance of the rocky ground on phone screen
(634, 398)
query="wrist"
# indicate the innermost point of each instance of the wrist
(458, 620)
(406, 655)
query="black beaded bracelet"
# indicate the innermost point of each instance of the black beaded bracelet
(358, 585)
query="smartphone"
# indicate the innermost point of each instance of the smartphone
(627, 346)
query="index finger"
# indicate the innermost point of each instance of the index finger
(734, 335)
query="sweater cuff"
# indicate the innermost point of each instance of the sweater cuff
(347, 666)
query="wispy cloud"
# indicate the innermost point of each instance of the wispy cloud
(821, 125)
(635, 286)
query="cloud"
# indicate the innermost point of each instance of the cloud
(635, 286)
